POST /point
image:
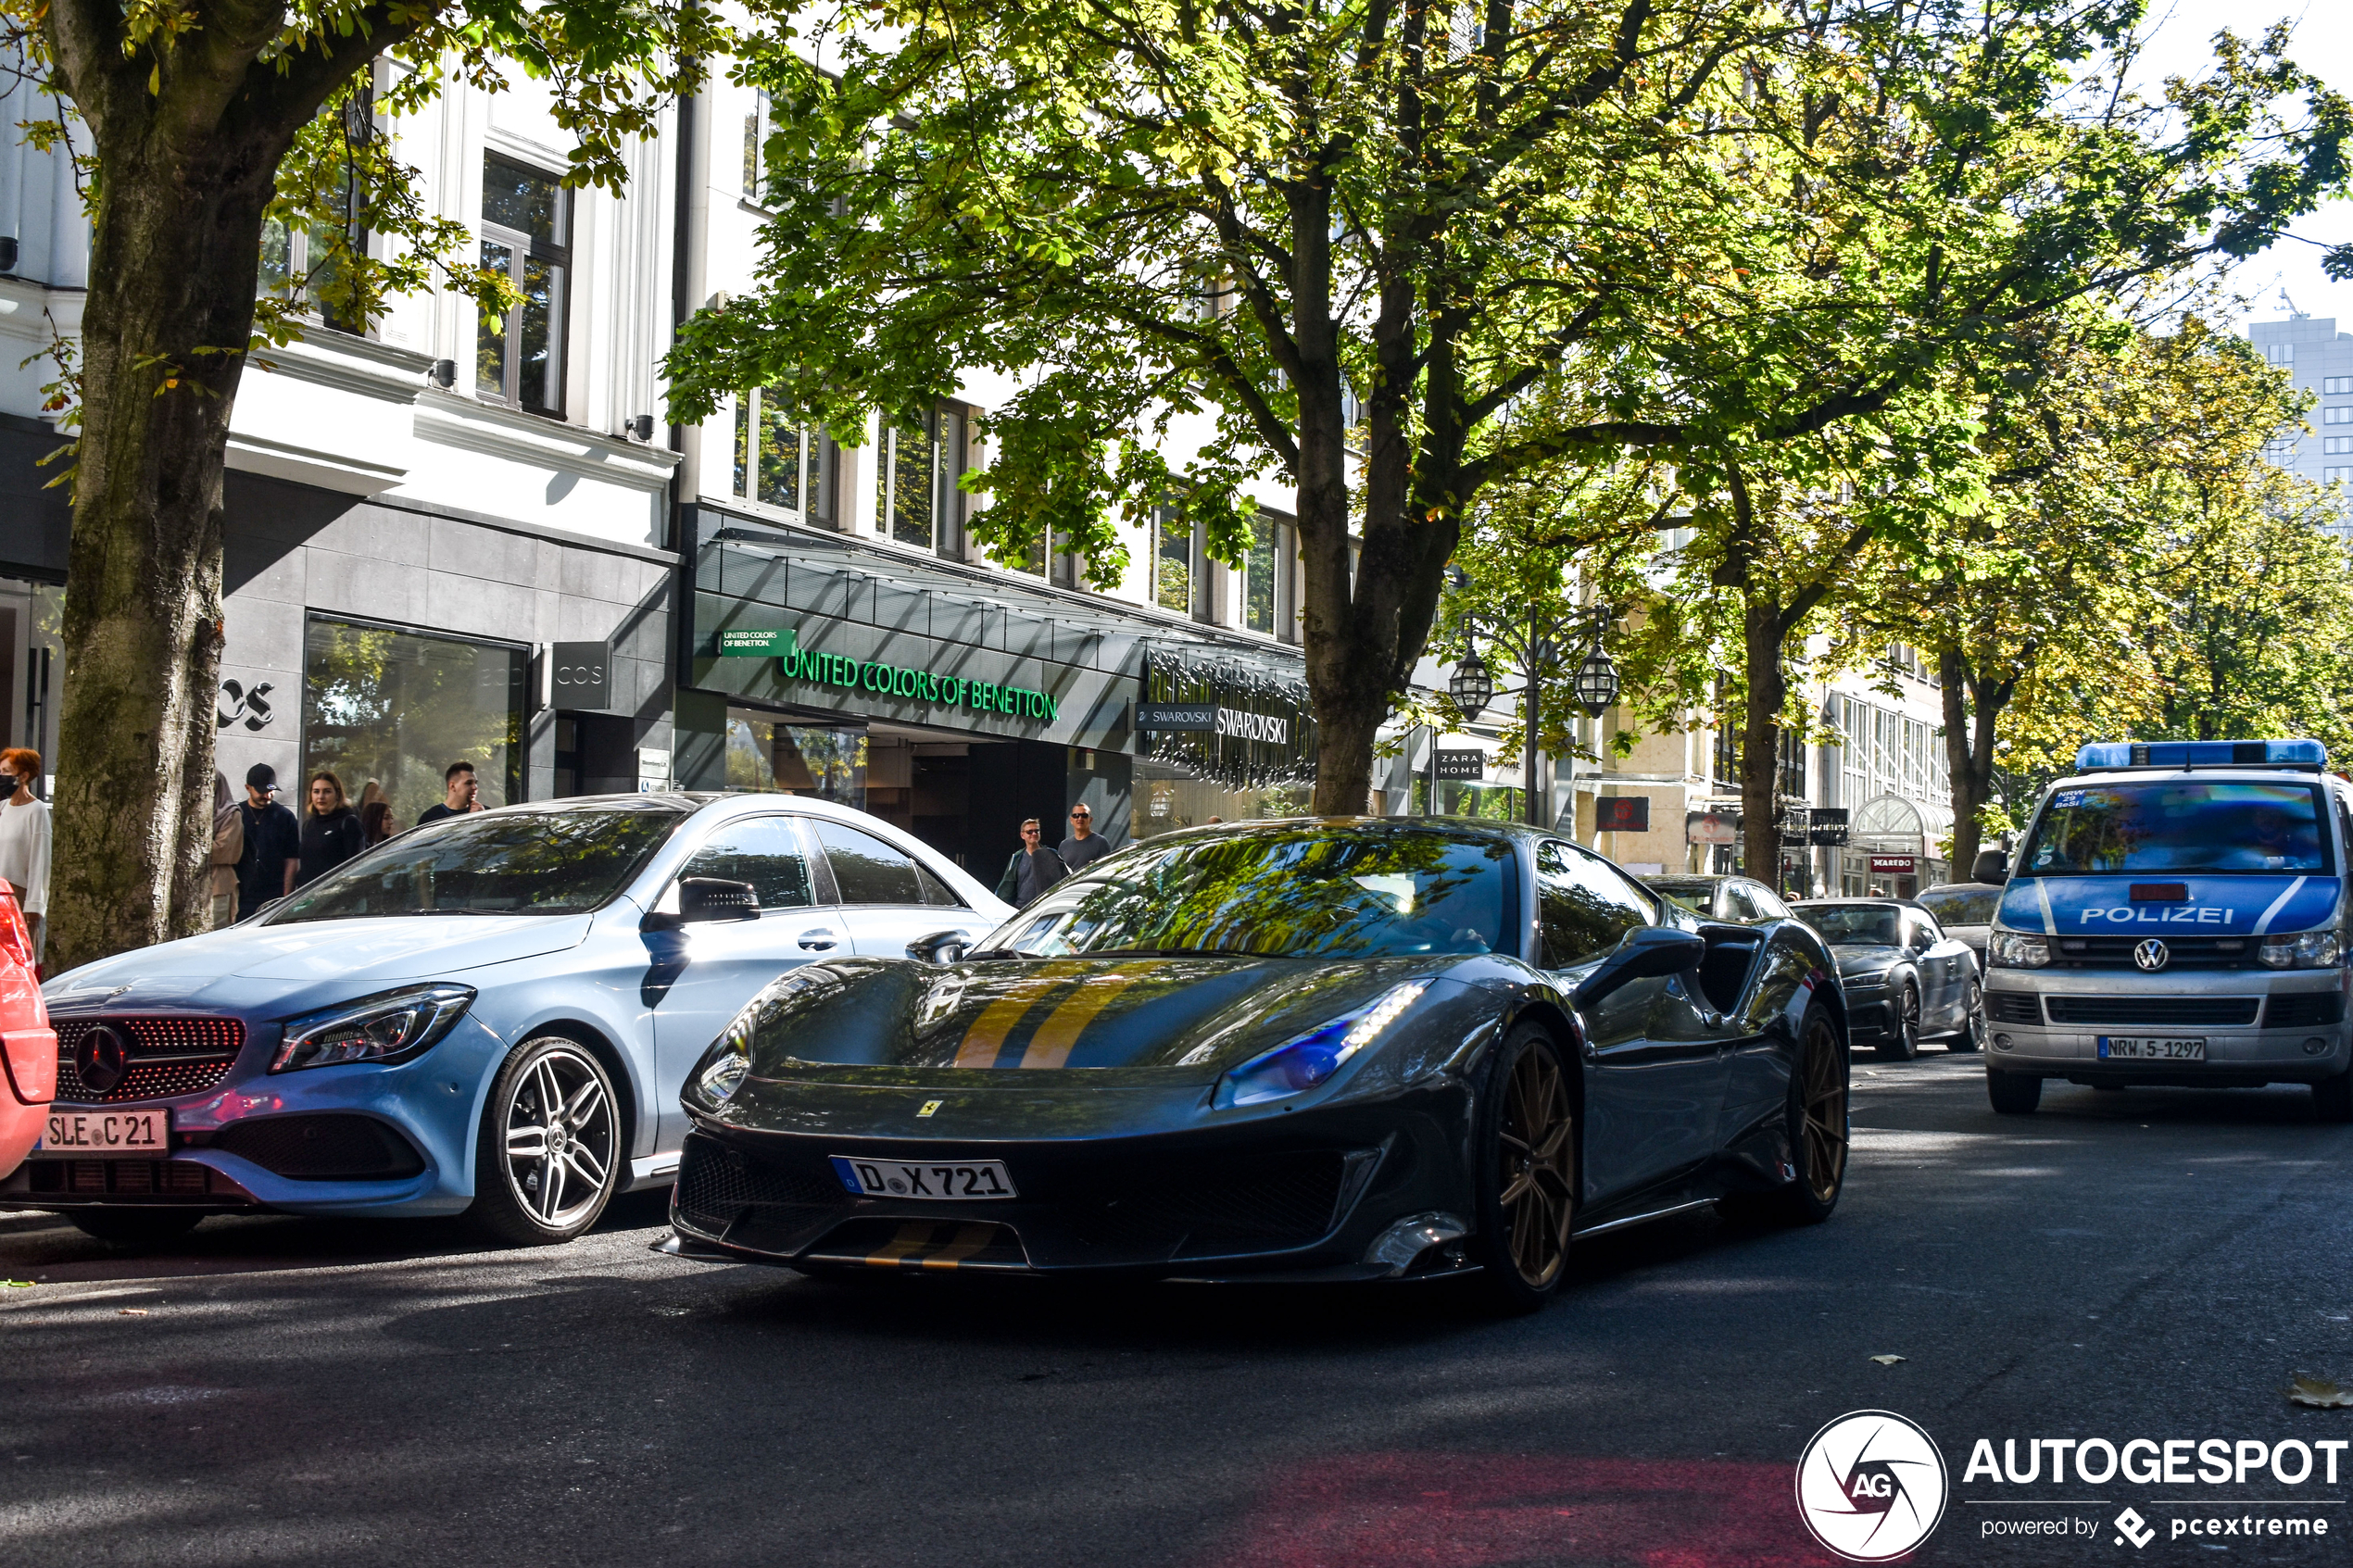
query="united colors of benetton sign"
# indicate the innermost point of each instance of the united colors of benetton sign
(815, 667)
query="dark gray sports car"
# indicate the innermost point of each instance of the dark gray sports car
(1906, 980)
(1341, 1048)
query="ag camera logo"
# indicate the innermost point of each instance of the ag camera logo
(1872, 1485)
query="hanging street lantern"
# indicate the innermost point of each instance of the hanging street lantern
(1596, 682)
(1471, 686)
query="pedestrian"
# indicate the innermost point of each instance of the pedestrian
(375, 823)
(227, 848)
(330, 831)
(1033, 869)
(24, 842)
(274, 843)
(461, 795)
(1084, 846)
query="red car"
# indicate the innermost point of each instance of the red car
(27, 1045)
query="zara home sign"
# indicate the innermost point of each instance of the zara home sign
(817, 667)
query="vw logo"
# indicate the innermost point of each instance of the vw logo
(2151, 955)
(1870, 1486)
(102, 1058)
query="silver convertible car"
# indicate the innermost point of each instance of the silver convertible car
(491, 1015)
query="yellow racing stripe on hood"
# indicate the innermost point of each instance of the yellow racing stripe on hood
(1051, 1045)
(986, 1036)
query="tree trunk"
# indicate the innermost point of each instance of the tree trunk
(175, 258)
(1761, 743)
(1972, 711)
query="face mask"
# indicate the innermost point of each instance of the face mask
(7, 783)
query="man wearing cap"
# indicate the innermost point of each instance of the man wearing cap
(1084, 846)
(274, 843)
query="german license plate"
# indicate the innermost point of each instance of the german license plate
(142, 1134)
(2141, 1047)
(958, 1180)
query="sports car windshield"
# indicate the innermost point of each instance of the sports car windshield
(1286, 892)
(2180, 825)
(493, 864)
(1690, 892)
(1852, 925)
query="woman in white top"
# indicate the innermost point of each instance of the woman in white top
(24, 841)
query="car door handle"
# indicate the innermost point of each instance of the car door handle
(817, 941)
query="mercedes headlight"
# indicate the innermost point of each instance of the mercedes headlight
(1302, 1064)
(2017, 949)
(388, 1027)
(2306, 949)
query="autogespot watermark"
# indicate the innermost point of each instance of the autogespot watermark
(1872, 1485)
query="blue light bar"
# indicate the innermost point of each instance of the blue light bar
(2202, 754)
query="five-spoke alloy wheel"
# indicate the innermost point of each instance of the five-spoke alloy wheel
(550, 1153)
(1527, 1177)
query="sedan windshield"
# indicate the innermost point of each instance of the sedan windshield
(1962, 906)
(2179, 825)
(495, 862)
(1852, 925)
(1284, 891)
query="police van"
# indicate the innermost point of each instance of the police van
(2176, 915)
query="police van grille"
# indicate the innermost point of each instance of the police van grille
(2158, 1009)
(2181, 952)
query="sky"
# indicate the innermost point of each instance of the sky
(2178, 37)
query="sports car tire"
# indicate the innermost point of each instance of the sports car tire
(1905, 1042)
(1817, 1133)
(1973, 1034)
(134, 1228)
(1524, 1150)
(549, 1155)
(2013, 1094)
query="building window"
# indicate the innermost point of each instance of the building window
(1267, 574)
(916, 501)
(767, 753)
(779, 463)
(2336, 386)
(2340, 415)
(757, 126)
(2279, 352)
(2336, 476)
(2332, 445)
(1176, 561)
(395, 709)
(526, 234)
(299, 263)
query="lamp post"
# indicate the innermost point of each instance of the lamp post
(1535, 647)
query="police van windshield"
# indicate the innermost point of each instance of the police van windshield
(2180, 825)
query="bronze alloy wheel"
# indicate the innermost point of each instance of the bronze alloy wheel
(1535, 1146)
(1822, 1113)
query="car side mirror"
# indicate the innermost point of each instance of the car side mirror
(1990, 865)
(1648, 952)
(702, 899)
(941, 947)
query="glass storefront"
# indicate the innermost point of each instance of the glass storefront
(1167, 799)
(396, 709)
(1496, 803)
(771, 752)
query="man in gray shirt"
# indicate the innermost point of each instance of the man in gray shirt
(1084, 846)
(1033, 869)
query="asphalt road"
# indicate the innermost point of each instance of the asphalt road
(2151, 1264)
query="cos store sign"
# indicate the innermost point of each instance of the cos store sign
(578, 677)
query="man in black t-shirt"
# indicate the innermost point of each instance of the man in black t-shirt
(274, 843)
(1084, 846)
(462, 795)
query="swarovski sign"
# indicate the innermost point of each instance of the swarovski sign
(1205, 717)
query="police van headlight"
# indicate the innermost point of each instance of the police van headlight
(2306, 949)
(2016, 949)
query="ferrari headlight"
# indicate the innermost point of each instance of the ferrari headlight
(1302, 1064)
(386, 1028)
(730, 1058)
(2306, 949)
(2017, 949)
